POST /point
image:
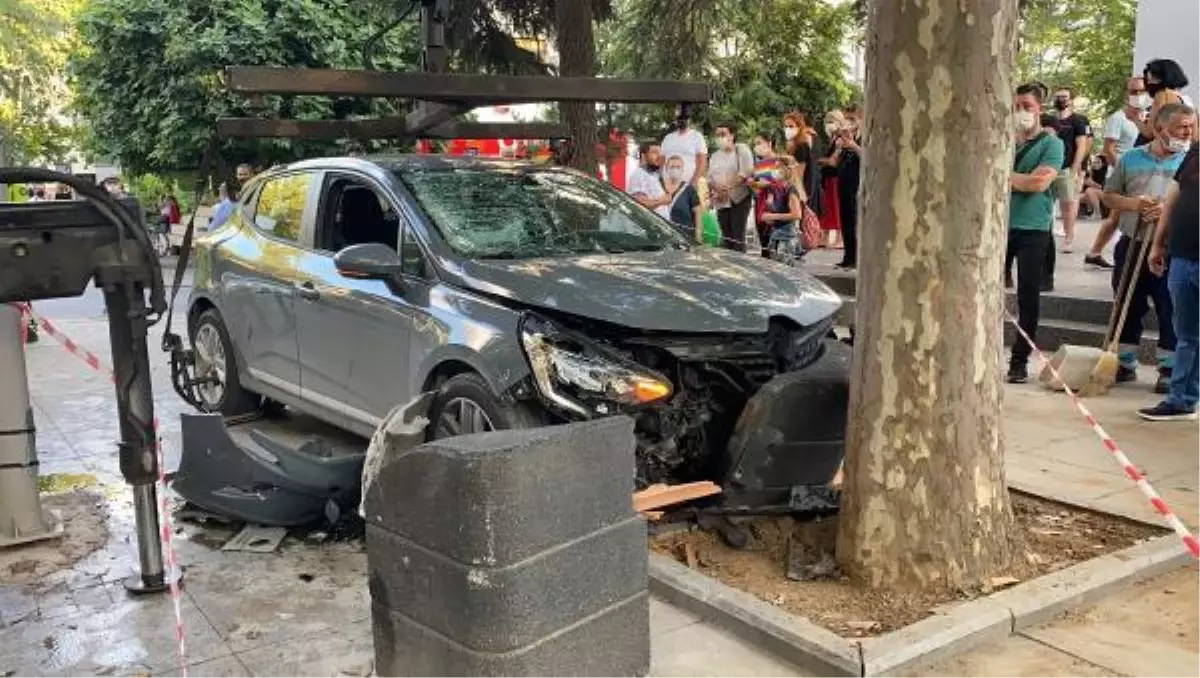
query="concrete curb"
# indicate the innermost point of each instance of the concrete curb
(788, 636)
(814, 648)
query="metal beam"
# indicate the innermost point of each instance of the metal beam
(473, 90)
(386, 128)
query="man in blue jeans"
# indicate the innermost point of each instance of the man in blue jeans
(1178, 237)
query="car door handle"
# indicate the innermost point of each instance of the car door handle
(308, 291)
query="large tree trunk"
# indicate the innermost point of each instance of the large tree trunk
(925, 504)
(577, 57)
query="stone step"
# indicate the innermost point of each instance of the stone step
(1052, 333)
(1054, 306)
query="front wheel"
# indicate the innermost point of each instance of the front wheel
(215, 363)
(465, 404)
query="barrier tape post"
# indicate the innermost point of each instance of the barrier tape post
(173, 568)
(1156, 501)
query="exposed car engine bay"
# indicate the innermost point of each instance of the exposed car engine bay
(685, 392)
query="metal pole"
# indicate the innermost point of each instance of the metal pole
(138, 446)
(21, 517)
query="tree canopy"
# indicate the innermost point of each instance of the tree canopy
(764, 57)
(35, 39)
(149, 80)
(1084, 44)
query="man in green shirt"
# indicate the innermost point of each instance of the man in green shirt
(1030, 216)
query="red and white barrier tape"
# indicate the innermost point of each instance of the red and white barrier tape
(1160, 506)
(171, 562)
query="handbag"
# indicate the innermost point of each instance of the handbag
(810, 229)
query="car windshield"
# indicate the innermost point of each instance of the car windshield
(506, 214)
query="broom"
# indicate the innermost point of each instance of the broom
(1090, 370)
(1104, 374)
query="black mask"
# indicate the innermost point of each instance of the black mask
(1153, 88)
(1062, 103)
(681, 123)
(651, 167)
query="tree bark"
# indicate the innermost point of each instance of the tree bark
(577, 57)
(924, 501)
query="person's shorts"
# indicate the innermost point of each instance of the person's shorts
(1064, 186)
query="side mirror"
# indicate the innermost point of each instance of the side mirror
(370, 261)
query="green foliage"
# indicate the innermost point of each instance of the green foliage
(1083, 44)
(765, 57)
(149, 82)
(35, 39)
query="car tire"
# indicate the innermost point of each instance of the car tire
(473, 390)
(210, 341)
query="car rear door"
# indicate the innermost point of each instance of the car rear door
(354, 334)
(260, 281)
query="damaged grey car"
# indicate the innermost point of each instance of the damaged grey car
(520, 295)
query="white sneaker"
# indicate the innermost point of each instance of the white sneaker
(1060, 232)
(1067, 247)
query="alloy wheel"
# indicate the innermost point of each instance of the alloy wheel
(462, 416)
(211, 365)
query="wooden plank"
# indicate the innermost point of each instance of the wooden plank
(659, 496)
(466, 89)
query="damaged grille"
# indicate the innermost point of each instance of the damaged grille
(714, 377)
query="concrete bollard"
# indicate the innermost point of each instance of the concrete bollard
(510, 553)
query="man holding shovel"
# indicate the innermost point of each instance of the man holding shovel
(1177, 236)
(1137, 187)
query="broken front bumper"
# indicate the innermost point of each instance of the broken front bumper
(244, 472)
(790, 440)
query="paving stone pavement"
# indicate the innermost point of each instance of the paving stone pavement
(304, 610)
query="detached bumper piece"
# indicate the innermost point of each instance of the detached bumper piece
(790, 441)
(261, 480)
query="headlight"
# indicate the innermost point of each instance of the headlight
(580, 377)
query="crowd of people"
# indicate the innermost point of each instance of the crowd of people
(1139, 180)
(1143, 184)
(796, 198)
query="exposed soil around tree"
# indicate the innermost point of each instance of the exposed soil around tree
(1050, 537)
(84, 514)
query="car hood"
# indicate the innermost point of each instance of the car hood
(698, 290)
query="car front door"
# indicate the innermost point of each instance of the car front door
(259, 287)
(354, 334)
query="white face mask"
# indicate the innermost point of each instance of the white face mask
(1178, 145)
(790, 132)
(1140, 101)
(1024, 121)
(675, 173)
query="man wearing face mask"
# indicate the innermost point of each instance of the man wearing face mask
(1039, 157)
(1138, 186)
(1120, 135)
(1076, 134)
(728, 171)
(688, 144)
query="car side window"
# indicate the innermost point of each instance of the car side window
(281, 204)
(412, 259)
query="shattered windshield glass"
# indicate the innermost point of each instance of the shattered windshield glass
(506, 214)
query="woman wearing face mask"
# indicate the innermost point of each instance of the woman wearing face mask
(1164, 79)
(800, 135)
(684, 208)
(831, 220)
(729, 168)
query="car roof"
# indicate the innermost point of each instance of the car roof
(415, 161)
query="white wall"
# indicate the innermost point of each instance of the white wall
(1167, 29)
